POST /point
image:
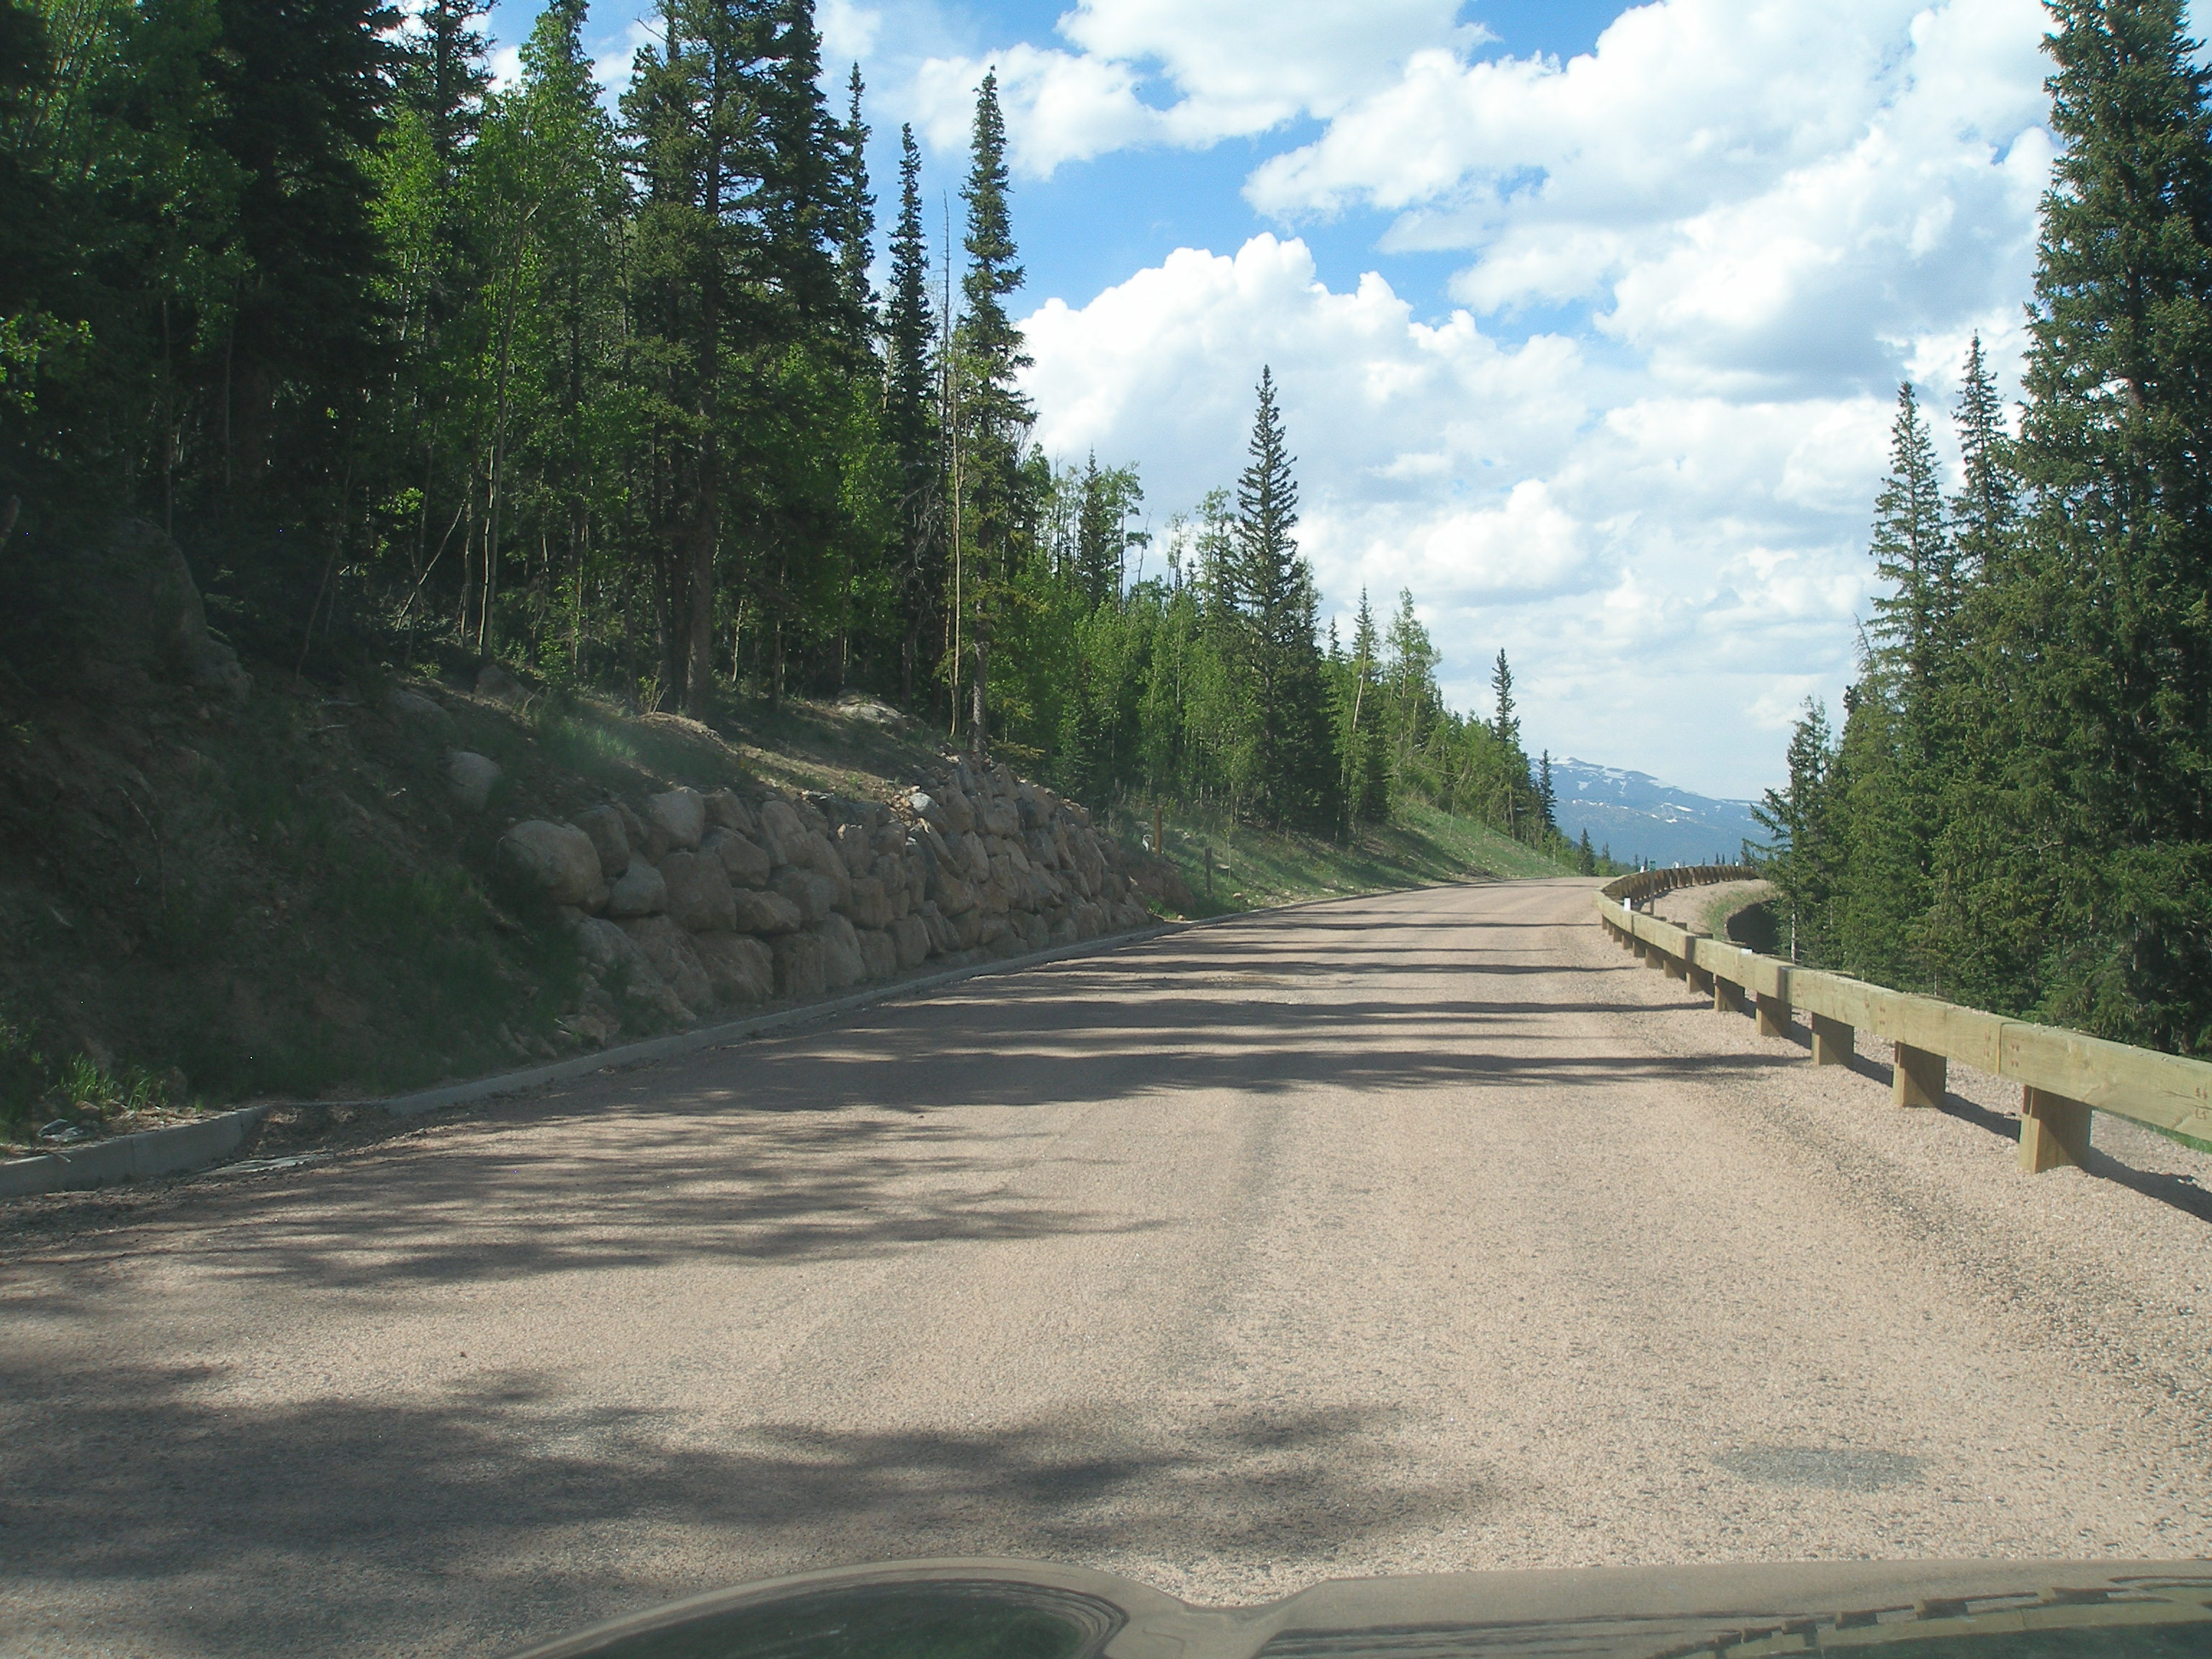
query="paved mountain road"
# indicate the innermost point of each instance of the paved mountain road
(1399, 1234)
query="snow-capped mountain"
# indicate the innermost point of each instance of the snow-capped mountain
(1640, 817)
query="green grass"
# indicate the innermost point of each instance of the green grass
(1253, 869)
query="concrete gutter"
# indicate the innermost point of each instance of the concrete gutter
(211, 1140)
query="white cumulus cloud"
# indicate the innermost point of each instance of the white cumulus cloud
(1741, 221)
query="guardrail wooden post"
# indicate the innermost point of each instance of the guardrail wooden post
(2053, 1131)
(1919, 1078)
(1773, 1014)
(1833, 1042)
(1675, 967)
(1728, 997)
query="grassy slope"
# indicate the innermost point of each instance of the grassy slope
(1255, 868)
(198, 906)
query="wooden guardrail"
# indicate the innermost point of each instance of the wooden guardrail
(2063, 1075)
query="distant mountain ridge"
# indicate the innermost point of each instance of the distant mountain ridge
(1640, 817)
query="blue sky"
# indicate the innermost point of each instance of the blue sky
(1588, 318)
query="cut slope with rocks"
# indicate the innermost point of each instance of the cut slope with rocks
(221, 881)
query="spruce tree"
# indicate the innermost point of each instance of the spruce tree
(1801, 856)
(908, 379)
(994, 416)
(1366, 741)
(1914, 622)
(1506, 719)
(1297, 780)
(855, 225)
(1986, 510)
(2104, 652)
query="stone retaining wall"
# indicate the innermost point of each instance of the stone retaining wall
(690, 902)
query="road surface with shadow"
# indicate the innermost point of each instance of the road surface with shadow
(1403, 1234)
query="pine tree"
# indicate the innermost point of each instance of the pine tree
(855, 226)
(1914, 624)
(908, 381)
(994, 416)
(1800, 857)
(1986, 510)
(1365, 741)
(444, 75)
(1098, 571)
(1274, 598)
(1504, 720)
(2101, 660)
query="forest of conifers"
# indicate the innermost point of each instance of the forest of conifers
(2017, 811)
(418, 369)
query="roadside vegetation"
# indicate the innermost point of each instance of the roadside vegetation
(2016, 812)
(328, 368)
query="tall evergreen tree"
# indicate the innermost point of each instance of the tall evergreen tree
(855, 226)
(2100, 660)
(1801, 856)
(1505, 718)
(994, 416)
(1986, 510)
(1366, 743)
(908, 386)
(1913, 624)
(1281, 652)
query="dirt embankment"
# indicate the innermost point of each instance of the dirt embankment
(1709, 909)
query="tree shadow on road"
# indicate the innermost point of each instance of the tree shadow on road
(506, 1515)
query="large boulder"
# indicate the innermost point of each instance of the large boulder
(943, 937)
(495, 685)
(815, 895)
(471, 776)
(740, 970)
(645, 836)
(700, 899)
(877, 950)
(959, 812)
(842, 964)
(744, 862)
(612, 960)
(669, 949)
(781, 829)
(949, 892)
(910, 940)
(856, 847)
(682, 816)
(136, 595)
(973, 857)
(604, 825)
(869, 906)
(414, 712)
(638, 891)
(725, 811)
(764, 913)
(799, 972)
(558, 860)
(1000, 817)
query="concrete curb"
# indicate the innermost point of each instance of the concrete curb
(131, 1158)
(211, 1140)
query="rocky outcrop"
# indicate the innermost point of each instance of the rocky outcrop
(688, 901)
